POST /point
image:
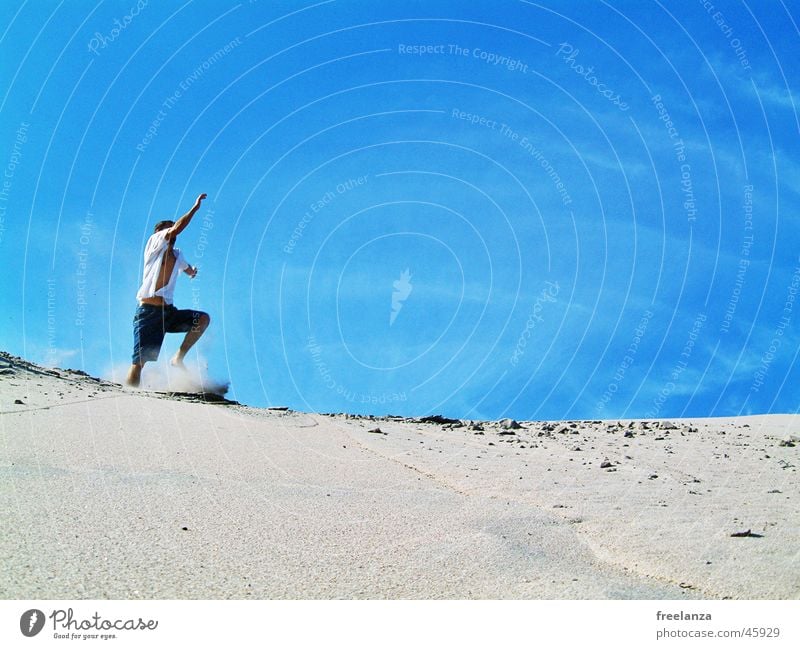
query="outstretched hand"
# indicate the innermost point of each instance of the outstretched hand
(200, 198)
(191, 271)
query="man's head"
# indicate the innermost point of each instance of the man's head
(163, 225)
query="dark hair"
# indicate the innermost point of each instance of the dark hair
(162, 225)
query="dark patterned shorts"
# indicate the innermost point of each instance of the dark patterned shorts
(152, 322)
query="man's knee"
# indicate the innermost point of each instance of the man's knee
(202, 321)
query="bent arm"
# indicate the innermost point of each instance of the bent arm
(181, 223)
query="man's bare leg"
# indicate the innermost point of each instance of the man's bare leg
(192, 336)
(134, 375)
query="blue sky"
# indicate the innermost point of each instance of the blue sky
(535, 210)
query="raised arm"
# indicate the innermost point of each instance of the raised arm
(181, 223)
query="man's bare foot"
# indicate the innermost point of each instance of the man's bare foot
(134, 376)
(177, 361)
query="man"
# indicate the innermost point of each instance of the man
(156, 315)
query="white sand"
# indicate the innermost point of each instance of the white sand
(98, 483)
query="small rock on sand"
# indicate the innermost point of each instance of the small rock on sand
(439, 419)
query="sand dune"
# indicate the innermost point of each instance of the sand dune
(113, 493)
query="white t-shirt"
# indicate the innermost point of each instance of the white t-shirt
(157, 246)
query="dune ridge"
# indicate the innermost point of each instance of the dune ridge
(116, 493)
